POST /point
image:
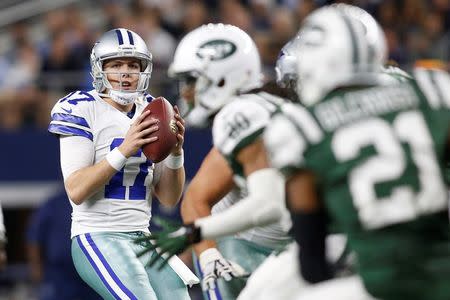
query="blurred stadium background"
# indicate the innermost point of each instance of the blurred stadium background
(44, 54)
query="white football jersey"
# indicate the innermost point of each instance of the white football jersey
(124, 204)
(236, 126)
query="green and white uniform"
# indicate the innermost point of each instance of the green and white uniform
(237, 125)
(378, 153)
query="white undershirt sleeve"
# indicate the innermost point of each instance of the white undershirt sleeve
(76, 152)
(264, 205)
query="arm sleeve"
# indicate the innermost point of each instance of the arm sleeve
(76, 152)
(309, 230)
(264, 205)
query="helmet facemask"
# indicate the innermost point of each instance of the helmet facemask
(121, 95)
(286, 69)
(194, 88)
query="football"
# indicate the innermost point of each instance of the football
(162, 110)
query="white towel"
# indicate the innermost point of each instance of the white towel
(180, 268)
(183, 271)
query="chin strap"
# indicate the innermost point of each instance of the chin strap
(122, 97)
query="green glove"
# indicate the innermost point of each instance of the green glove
(171, 240)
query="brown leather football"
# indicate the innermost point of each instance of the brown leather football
(162, 110)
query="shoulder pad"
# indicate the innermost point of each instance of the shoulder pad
(148, 97)
(284, 143)
(304, 121)
(70, 115)
(397, 74)
(238, 124)
(435, 84)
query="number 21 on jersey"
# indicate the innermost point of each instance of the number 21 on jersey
(129, 182)
(405, 202)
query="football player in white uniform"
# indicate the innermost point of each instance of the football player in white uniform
(223, 67)
(262, 284)
(109, 182)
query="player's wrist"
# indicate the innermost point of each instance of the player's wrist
(116, 159)
(126, 151)
(175, 161)
(193, 233)
(177, 151)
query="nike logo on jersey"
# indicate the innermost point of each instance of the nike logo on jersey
(69, 111)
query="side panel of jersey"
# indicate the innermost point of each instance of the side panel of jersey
(124, 204)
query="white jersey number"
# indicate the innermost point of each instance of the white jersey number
(403, 204)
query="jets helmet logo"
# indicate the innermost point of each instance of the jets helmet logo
(216, 49)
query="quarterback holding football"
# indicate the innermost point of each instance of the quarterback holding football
(109, 181)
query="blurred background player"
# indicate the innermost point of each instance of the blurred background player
(110, 183)
(222, 68)
(48, 250)
(388, 141)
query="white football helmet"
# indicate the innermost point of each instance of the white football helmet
(225, 62)
(336, 50)
(114, 44)
(374, 32)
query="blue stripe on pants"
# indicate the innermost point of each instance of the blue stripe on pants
(96, 268)
(106, 266)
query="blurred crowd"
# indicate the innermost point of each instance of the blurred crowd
(47, 55)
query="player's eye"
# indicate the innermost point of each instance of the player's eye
(191, 79)
(134, 66)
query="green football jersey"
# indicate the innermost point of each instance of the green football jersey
(379, 155)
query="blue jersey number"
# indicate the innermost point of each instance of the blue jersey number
(78, 96)
(116, 188)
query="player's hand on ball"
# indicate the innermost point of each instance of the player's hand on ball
(171, 240)
(137, 135)
(180, 135)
